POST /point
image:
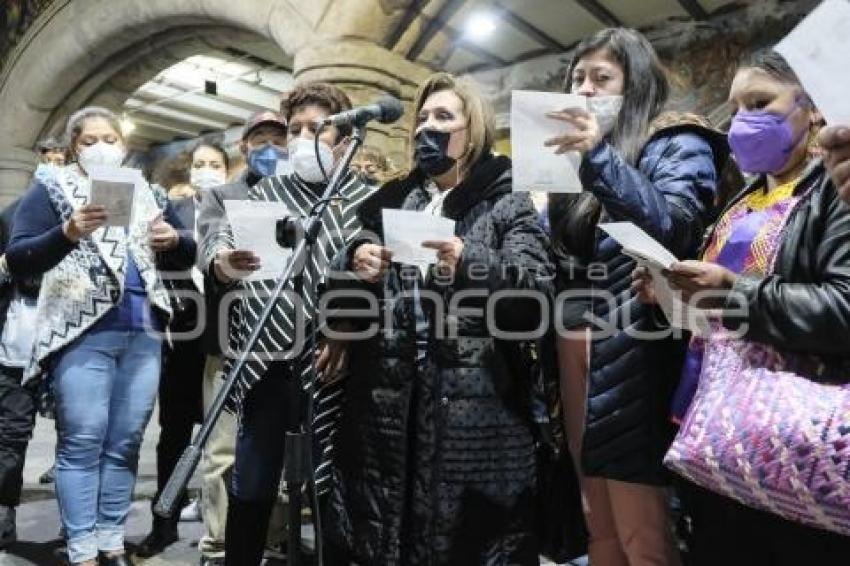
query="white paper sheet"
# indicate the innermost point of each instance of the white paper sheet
(655, 257)
(817, 49)
(254, 225)
(536, 167)
(115, 189)
(639, 244)
(405, 230)
(677, 313)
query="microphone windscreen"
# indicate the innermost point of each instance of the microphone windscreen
(391, 109)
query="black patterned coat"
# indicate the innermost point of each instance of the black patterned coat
(435, 461)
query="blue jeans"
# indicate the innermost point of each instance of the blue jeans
(105, 385)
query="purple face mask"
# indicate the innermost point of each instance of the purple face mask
(763, 141)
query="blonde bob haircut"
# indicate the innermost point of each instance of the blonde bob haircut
(479, 115)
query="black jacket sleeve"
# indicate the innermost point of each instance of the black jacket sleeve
(520, 269)
(811, 317)
(182, 256)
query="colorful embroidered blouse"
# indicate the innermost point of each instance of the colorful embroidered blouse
(744, 241)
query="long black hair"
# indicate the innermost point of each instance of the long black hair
(645, 91)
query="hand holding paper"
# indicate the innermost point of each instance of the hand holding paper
(371, 261)
(448, 254)
(405, 231)
(254, 226)
(114, 189)
(535, 167)
(163, 236)
(658, 260)
(84, 221)
(581, 137)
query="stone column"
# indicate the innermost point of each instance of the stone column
(16, 168)
(366, 71)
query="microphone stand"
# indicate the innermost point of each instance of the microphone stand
(299, 445)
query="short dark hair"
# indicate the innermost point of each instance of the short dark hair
(646, 88)
(325, 95)
(213, 145)
(50, 144)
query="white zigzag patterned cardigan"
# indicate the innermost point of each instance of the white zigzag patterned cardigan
(90, 279)
(340, 226)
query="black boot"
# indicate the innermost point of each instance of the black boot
(118, 560)
(8, 532)
(245, 532)
(163, 534)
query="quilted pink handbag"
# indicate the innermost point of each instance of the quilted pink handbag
(759, 431)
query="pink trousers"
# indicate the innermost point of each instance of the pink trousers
(627, 522)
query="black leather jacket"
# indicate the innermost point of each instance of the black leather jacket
(804, 305)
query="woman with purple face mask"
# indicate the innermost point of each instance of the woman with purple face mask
(779, 254)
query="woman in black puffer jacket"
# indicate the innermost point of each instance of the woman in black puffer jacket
(434, 460)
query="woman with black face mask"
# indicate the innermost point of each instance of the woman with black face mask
(435, 455)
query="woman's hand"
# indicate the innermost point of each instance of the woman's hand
(84, 221)
(836, 143)
(698, 277)
(448, 254)
(583, 135)
(371, 261)
(643, 286)
(235, 264)
(332, 360)
(162, 235)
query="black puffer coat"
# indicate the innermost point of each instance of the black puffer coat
(435, 460)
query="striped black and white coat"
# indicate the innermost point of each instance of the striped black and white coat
(281, 337)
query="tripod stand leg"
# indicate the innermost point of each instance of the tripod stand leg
(298, 470)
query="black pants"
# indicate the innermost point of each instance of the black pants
(724, 532)
(271, 408)
(180, 407)
(17, 419)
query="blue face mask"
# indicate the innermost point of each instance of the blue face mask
(263, 160)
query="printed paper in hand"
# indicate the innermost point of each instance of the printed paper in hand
(536, 167)
(254, 225)
(817, 50)
(115, 189)
(655, 257)
(405, 230)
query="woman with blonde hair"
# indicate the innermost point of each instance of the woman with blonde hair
(435, 460)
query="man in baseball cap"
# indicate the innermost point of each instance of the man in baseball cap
(264, 147)
(264, 143)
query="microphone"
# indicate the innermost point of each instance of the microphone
(386, 111)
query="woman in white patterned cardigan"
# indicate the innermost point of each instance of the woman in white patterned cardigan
(100, 314)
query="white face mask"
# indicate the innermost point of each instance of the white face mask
(302, 156)
(101, 154)
(607, 110)
(205, 178)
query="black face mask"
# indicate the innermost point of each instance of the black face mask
(431, 152)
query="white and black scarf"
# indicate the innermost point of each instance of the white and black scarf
(288, 322)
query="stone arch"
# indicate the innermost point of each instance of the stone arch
(77, 46)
